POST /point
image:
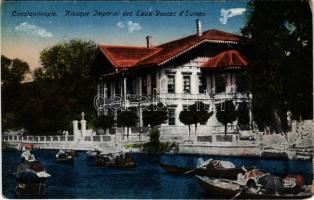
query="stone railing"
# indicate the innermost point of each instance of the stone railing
(53, 139)
(182, 96)
(201, 129)
(236, 96)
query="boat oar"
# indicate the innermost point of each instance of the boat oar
(191, 171)
(205, 163)
(239, 193)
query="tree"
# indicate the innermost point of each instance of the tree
(281, 72)
(13, 72)
(187, 119)
(127, 119)
(199, 113)
(226, 113)
(155, 115)
(67, 60)
(61, 88)
(105, 121)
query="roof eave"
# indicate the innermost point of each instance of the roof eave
(195, 45)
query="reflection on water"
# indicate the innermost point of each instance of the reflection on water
(83, 180)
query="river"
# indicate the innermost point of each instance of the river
(83, 180)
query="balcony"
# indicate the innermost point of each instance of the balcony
(237, 96)
(133, 100)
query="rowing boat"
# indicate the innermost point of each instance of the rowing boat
(228, 173)
(223, 188)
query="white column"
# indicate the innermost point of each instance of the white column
(98, 94)
(163, 82)
(178, 82)
(233, 83)
(105, 90)
(105, 96)
(140, 117)
(228, 86)
(139, 84)
(213, 88)
(158, 81)
(208, 84)
(111, 85)
(250, 115)
(76, 131)
(149, 84)
(194, 83)
(124, 88)
(121, 86)
(83, 127)
(102, 88)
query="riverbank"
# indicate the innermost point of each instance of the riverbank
(248, 150)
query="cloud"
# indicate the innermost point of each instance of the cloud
(131, 26)
(33, 30)
(120, 25)
(228, 13)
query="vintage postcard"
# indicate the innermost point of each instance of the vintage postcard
(157, 99)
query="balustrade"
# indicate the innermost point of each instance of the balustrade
(106, 138)
(70, 138)
(96, 138)
(62, 138)
(47, 139)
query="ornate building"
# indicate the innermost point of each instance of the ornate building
(206, 66)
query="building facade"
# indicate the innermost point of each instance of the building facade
(207, 66)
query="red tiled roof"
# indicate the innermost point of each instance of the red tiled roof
(128, 56)
(226, 59)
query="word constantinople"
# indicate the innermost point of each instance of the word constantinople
(102, 103)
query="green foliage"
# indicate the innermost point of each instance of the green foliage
(67, 60)
(154, 135)
(136, 146)
(196, 113)
(7, 147)
(243, 116)
(226, 113)
(160, 147)
(281, 60)
(187, 119)
(61, 89)
(242, 81)
(155, 115)
(127, 119)
(13, 72)
(104, 121)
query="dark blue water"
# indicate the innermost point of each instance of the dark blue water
(83, 180)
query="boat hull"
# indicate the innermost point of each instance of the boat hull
(215, 173)
(127, 162)
(229, 193)
(66, 160)
(24, 189)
